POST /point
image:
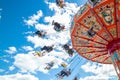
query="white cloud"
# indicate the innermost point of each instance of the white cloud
(61, 55)
(28, 32)
(34, 19)
(11, 68)
(62, 16)
(2, 70)
(27, 48)
(25, 62)
(56, 38)
(39, 41)
(102, 72)
(11, 50)
(30, 63)
(18, 76)
(6, 61)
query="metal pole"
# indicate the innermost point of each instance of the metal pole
(116, 62)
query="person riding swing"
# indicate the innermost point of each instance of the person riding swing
(57, 26)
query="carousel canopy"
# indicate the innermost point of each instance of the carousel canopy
(96, 30)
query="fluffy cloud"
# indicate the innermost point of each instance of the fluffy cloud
(1, 70)
(26, 62)
(11, 68)
(34, 19)
(11, 50)
(27, 48)
(30, 63)
(18, 76)
(62, 16)
(101, 71)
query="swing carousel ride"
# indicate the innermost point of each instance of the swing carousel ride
(95, 32)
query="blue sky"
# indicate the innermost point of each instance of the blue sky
(18, 20)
